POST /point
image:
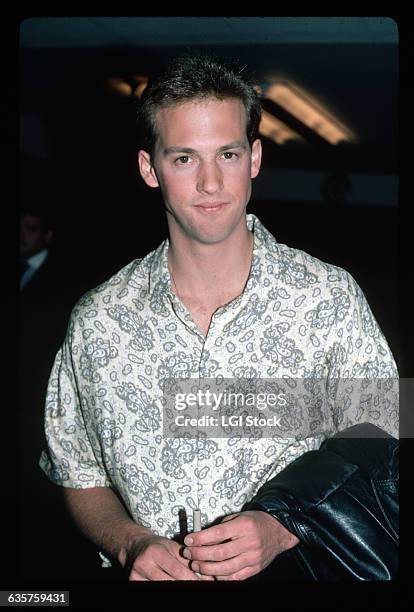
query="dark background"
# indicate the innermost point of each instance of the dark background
(78, 149)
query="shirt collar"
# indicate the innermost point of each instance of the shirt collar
(35, 261)
(159, 274)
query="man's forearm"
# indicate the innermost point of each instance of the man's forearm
(104, 520)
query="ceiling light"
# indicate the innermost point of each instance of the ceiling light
(131, 86)
(277, 130)
(308, 112)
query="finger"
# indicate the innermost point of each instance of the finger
(134, 576)
(148, 573)
(221, 568)
(163, 565)
(215, 552)
(244, 573)
(214, 535)
(183, 560)
(177, 570)
(206, 578)
(156, 573)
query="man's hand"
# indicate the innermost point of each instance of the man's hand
(153, 557)
(241, 546)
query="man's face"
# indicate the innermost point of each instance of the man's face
(33, 237)
(204, 165)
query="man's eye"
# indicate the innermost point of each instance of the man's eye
(229, 155)
(182, 160)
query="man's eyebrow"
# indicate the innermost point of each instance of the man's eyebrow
(238, 144)
(170, 150)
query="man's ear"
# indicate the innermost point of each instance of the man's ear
(147, 169)
(256, 158)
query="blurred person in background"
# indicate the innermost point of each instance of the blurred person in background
(49, 285)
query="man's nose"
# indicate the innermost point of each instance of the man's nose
(210, 178)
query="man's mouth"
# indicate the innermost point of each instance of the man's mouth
(209, 207)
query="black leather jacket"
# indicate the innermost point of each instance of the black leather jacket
(341, 501)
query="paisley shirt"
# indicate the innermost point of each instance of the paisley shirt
(297, 317)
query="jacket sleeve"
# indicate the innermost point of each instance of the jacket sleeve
(341, 501)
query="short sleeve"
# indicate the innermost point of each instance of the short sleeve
(363, 384)
(72, 457)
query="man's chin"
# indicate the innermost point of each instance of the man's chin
(206, 231)
(211, 238)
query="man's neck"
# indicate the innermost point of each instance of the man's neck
(210, 273)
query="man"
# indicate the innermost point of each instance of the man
(47, 295)
(35, 237)
(49, 287)
(220, 298)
